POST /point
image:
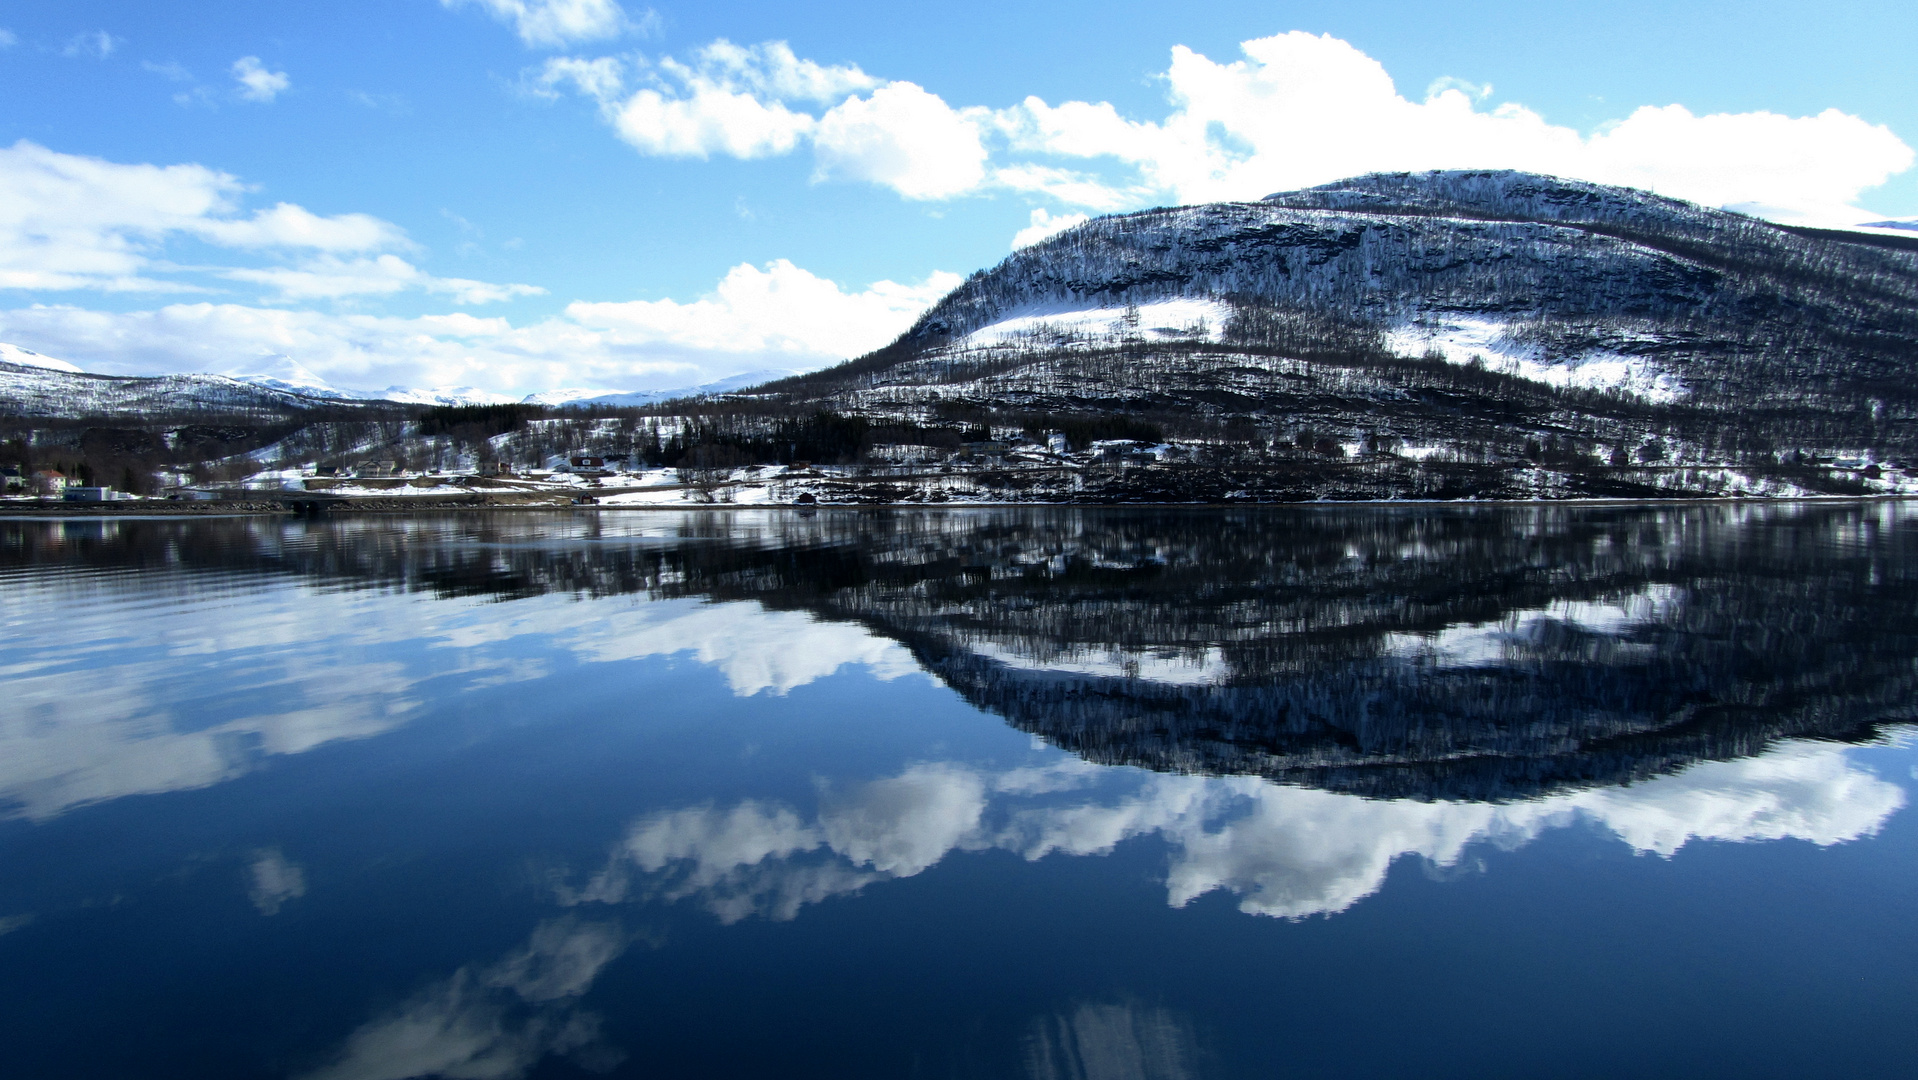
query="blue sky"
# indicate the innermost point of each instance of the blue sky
(521, 195)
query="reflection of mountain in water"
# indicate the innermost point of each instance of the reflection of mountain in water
(1430, 653)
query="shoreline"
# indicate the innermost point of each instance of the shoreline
(54, 510)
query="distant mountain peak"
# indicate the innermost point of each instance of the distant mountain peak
(14, 354)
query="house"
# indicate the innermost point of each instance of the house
(495, 468)
(49, 482)
(10, 478)
(585, 462)
(378, 468)
(326, 470)
(76, 493)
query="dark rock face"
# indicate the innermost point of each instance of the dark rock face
(1431, 653)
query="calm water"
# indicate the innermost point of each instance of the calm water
(1115, 795)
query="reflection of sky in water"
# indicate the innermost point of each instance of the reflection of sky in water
(121, 686)
(122, 691)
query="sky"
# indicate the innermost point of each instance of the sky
(528, 195)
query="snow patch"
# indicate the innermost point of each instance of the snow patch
(445, 395)
(14, 354)
(1185, 318)
(1464, 340)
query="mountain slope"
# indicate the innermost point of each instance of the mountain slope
(38, 391)
(1490, 316)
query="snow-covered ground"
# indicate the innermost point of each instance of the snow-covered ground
(1463, 340)
(1185, 319)
(14, 354)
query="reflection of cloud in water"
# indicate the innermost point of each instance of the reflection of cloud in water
(1284, 851)
(272, 880)
(1110, 1042)
(1494, 643)
(496, 1022)
(119, 692)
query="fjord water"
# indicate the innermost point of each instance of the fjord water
(1423, 792)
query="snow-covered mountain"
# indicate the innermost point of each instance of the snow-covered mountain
(653, 397)
(19, 357)
(35, 385)
(1468, 310)
(38, 386)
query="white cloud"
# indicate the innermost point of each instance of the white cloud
(71, 222)
(777, 316)
(775, 309)
(68, 222)
(97, 44)
(290, 226)
(729, 99)
(257, 83)
(332, 278)
(1297, 110)
(558, 23)
(770, 69)
(601, 78)
(1301, 109)
(750, 102)
(7, 38)
(1045, 224)
(708, 120)
(906, 139)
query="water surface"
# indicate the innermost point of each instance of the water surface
(1472, 792)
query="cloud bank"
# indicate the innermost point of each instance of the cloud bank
(776, 316)
(1295, 110)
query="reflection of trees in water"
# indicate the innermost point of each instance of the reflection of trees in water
(1428, 652)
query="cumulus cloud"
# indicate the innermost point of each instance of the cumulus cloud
(774, 317)
(905, 138)
(71, 222)
(1295, 110)
(257, 82)
(1045, 224)
(778, 309)
(707, 120)
(755, 101)
(555, 24)
(1301, 109)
